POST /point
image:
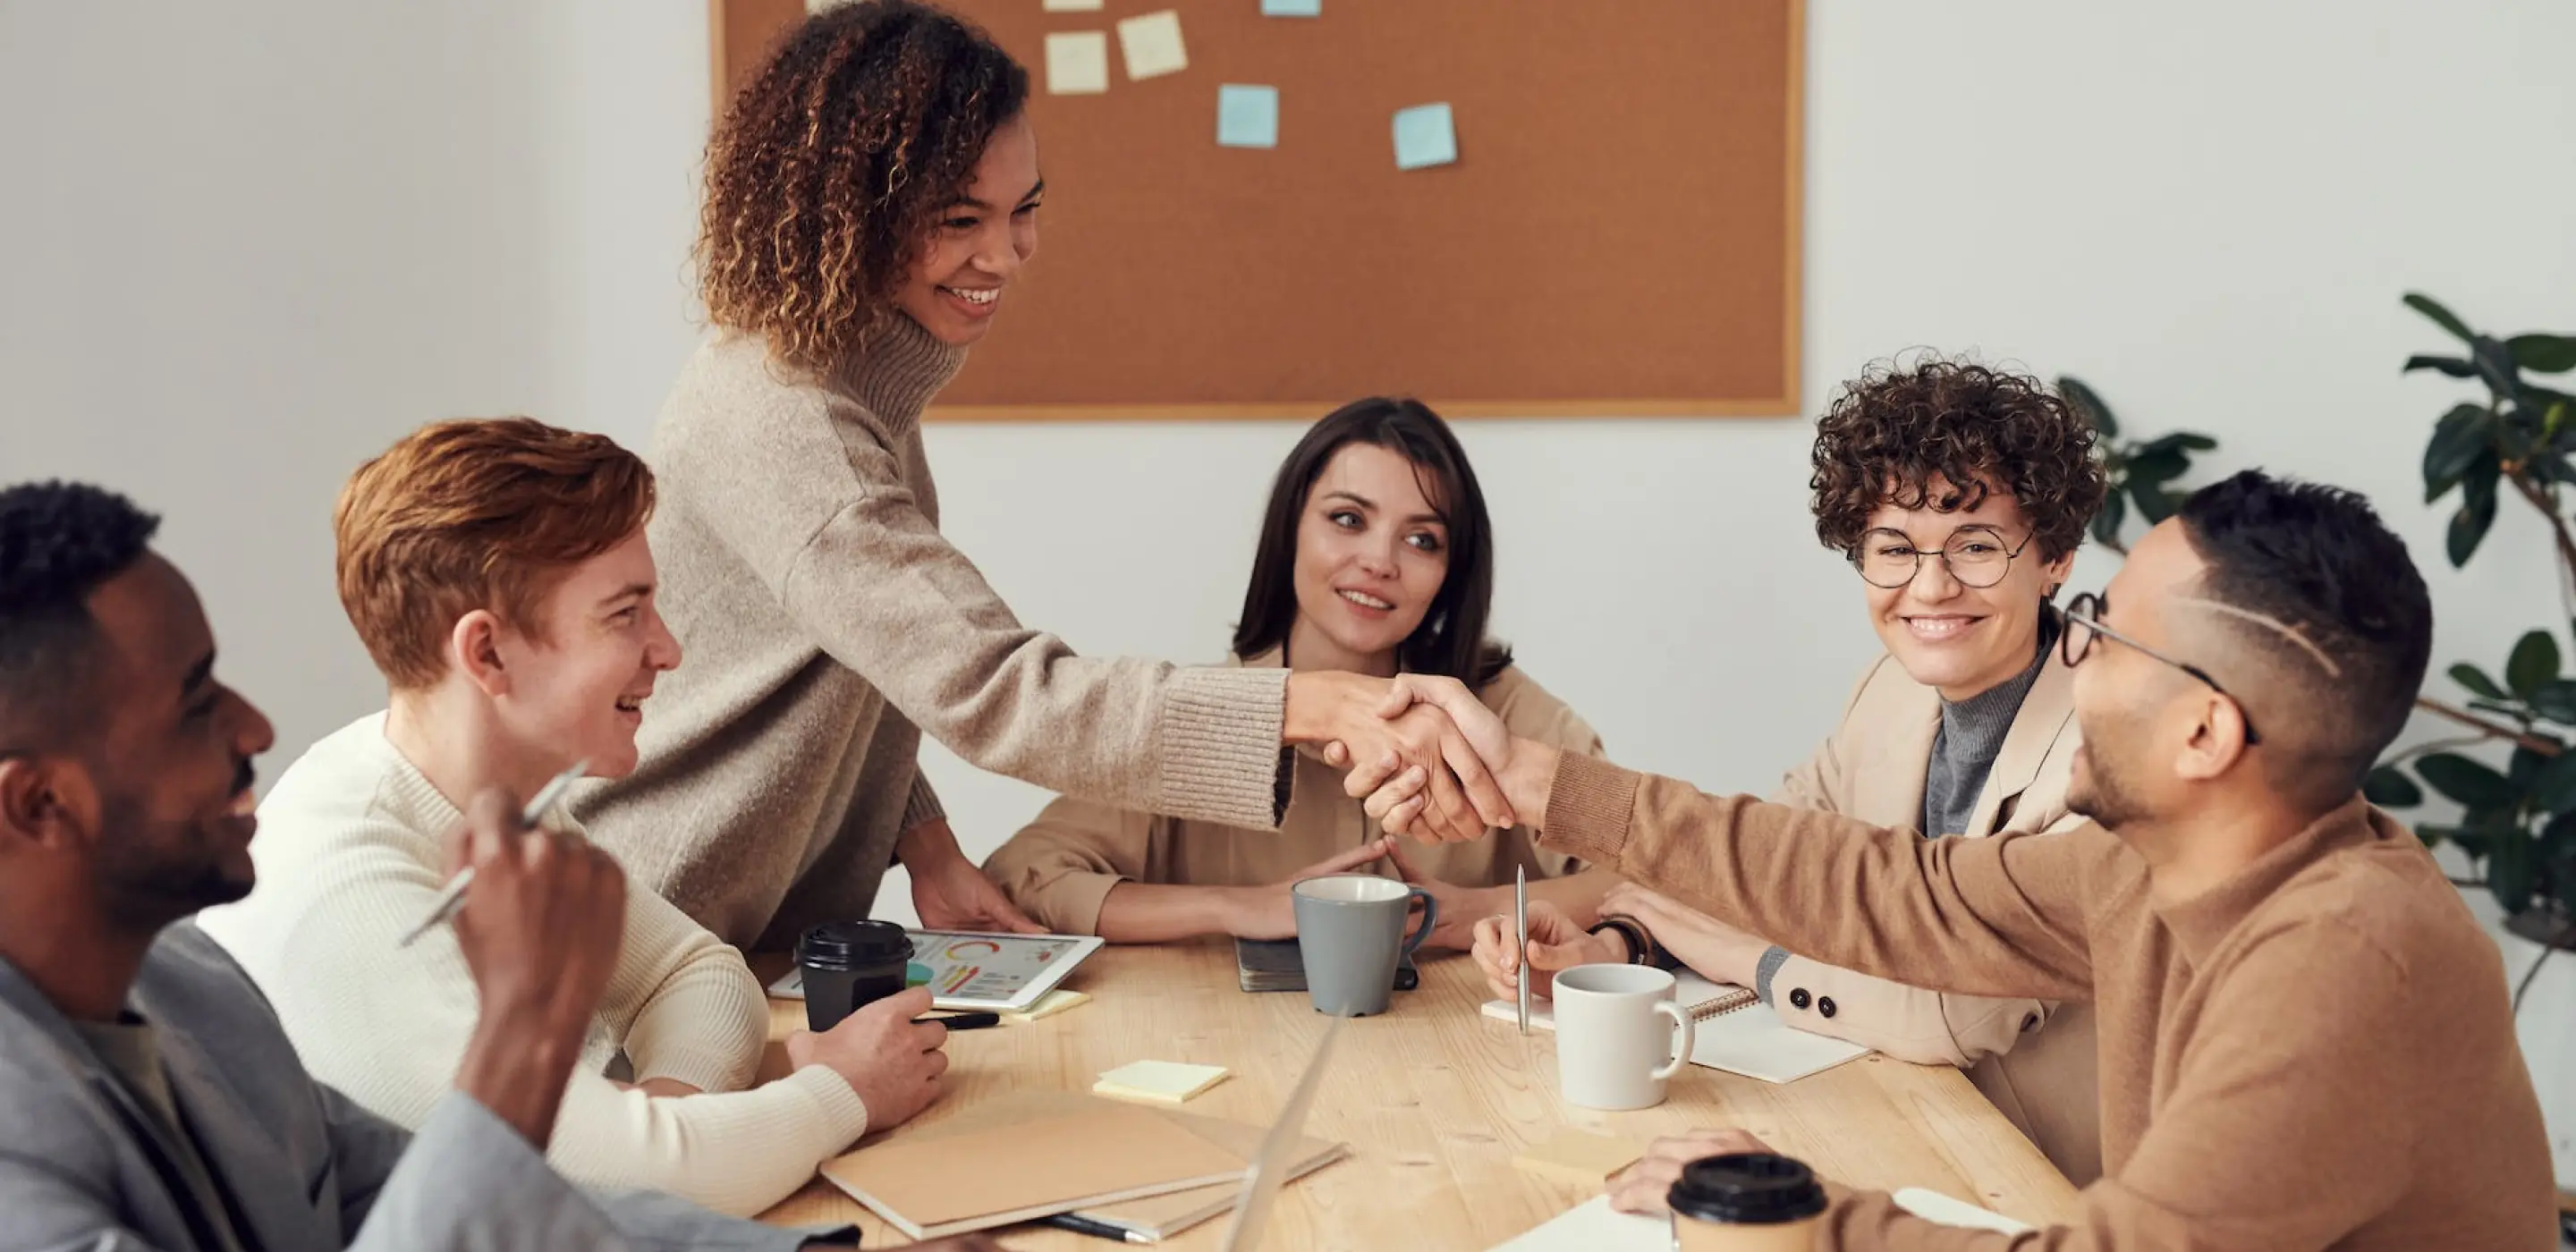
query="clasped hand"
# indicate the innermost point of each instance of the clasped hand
(1424, 753)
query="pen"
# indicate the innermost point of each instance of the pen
(455, 892)
(1097, 1230)
(965, 1021)
(1520, 918)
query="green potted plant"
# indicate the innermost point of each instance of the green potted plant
(2518, 816)
(2139, 472)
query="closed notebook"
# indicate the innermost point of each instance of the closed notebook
(929, 1186)
(1736, 1032)
(1152, 1218)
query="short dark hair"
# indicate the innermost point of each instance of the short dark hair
(1451, 640)
(1901, 424)
(58, 542)
(2318, 561)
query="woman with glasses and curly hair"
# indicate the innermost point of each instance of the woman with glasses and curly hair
(1958, 495)
(871, 197)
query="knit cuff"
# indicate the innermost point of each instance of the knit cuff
(923, 804)
(1219, 734)
(1588, 807)
(1766, 969)
(834, 1100)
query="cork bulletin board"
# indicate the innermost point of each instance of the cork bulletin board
(1617, 236)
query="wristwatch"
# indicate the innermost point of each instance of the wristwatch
(1641, 946)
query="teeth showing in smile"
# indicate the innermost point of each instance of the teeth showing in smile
(1938, 627)
(630, 704)
(1365, 600)
(985, 295)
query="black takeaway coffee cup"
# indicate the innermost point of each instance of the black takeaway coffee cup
(848, 965)
(1745, 1202)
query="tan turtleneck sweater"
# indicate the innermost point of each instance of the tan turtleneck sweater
(826, 625)
(2315, 1054)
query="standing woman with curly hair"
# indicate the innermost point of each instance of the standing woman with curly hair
(870, 198)
(1958, 494)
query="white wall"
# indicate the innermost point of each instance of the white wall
(254, 245)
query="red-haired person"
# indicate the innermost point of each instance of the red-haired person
(498, 573)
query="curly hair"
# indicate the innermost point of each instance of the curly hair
(829, 170)
(1892, 432)
(478, 513)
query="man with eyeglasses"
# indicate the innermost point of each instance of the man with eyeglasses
(2305, 1040)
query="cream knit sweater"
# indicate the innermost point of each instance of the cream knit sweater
(350, 856)
(829, 626)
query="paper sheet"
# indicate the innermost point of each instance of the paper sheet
(1425, 135)
(1153, 45)
(1073, 6)
(1247, 116)
(1077, 62)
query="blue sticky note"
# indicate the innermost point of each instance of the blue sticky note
(1425, 136)
(1292, 8)
(1247, 116)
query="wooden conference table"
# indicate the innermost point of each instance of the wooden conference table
(1435, 1099)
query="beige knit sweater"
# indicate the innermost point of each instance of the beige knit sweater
(826, 625)
(350, 857)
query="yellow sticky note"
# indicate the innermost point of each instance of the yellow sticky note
(1153, 45)
(1048, 1005)
(1165, 1082)
(1579, 1158)
(1077, 62)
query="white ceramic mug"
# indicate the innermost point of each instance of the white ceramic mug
(1614, 1048)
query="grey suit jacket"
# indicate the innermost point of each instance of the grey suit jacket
(85, 1166)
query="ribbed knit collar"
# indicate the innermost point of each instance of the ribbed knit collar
(2204, 921)
(418, 803)
(897, 370)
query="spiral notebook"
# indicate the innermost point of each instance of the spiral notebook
(1736, 1032)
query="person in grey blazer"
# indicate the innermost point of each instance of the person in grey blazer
(148, 1096)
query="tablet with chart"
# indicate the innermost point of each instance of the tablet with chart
(975, 970)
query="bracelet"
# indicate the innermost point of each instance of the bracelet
(1641, 946)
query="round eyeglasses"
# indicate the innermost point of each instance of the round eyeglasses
(1974, 555)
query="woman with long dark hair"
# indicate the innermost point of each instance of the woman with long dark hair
(1376, 557)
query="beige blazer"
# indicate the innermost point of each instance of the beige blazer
(2034, 1059)
(1062, 865)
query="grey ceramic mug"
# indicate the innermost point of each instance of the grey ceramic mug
(1350, 931)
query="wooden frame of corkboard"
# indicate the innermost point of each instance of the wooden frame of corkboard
(1620, 238)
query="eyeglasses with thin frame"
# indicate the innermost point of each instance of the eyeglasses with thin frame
(2084, 620)
(1974, 555)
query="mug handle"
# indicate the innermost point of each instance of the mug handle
(1682, 1048)
(1430, 918)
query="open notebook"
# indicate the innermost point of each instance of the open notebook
(1736, 1032)
(1593, 1226)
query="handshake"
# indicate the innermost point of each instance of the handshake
(1429, 759)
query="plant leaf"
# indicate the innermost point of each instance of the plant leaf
(2461, 434)
(2544, 354)
(2178, 440)
(2476, 681)
(2477, 510)
(2534, 661)
(2553, 788)
(2495, 366)
(2153, 504)
(2158, 466)
(2556, 700)
(2511, 866)
(2455, 366)
(2441, 317)
(2471, 784)
(2388, 787)
(2089, 406)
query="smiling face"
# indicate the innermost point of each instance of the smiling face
(979, 244)
(170, 813)
(1372, 552)
(574, 687)
(1960, 639)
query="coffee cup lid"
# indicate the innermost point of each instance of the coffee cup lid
(864, 942)
(1747, 1189)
